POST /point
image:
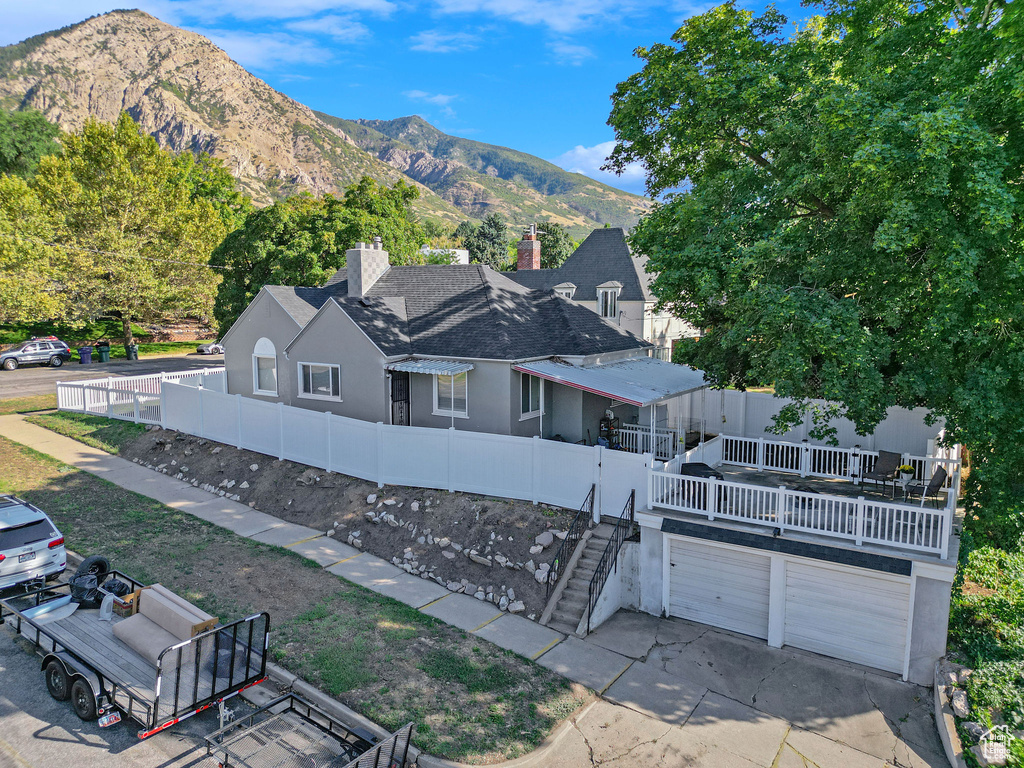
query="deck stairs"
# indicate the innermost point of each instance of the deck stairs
(569, 601)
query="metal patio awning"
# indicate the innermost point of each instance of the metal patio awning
(430, 367)
(638, 381)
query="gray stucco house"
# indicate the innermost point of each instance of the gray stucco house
(605, 276)
(439, 346)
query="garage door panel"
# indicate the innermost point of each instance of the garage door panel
(848, 614)
(718, 586)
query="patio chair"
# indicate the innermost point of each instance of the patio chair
(884, 470)
(931, 489)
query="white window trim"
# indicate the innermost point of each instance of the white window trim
(600, 302)
(566, 292)
(531, 414)
(256, 375)
(300, 381)
(438, 411)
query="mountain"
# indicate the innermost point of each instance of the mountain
(483, 178)
(191, 96)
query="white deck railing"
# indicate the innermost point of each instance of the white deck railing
(857, 520)
(132, 398)
(636, 438)
(825, 461)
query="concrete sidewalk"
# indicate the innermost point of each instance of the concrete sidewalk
(688, 694)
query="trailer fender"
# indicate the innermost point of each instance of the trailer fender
(76, 669)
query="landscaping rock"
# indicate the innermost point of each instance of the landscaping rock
(245, 484)
(560, 535)
(516, 606)
(503, 603)
(479, 594)
(253, 467)
(982, 760)
(511, 594)
(390, 502)
(974, 731)
(449, 554)
(454, 586)
(217, 449)
(958, 701)
(536, 549)
(479, 559)
(529, 565)
(371, 498)
(443, 542)
(544, 539)
(457, 547)
(329, 533)
(541, 576)
(415, 506)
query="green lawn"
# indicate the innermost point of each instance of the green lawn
(27, 404)
(98, 431)
(471, 701)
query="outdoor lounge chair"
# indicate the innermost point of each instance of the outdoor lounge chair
(884, 470)
(931, 489)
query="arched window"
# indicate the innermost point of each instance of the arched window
(264, 368)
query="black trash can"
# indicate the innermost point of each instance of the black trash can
(84, 355)
(103, 350)
(131, 352)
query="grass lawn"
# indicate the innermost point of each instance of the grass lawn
(98, 431)
(471, 701)
(150, 348)
(27, 404)
(986, 633)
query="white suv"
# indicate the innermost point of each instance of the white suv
(31, 547)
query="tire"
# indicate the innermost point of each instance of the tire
(56, 361)
(57, 682)
(10, 364)
(97, 565)
(82, 700)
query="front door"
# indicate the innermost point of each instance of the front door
(400, 398)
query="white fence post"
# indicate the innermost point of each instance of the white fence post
(238, 412)
(110, 407)
(200, 391)
(380, 454)
(280, 431)
(450, 463)
(163, 406)
(781, 507)
(534, 471)
(712, 499)
(805, 459)
(760, 454)
(598, 482)
(135, 404)
(330, 457)
(858, 520)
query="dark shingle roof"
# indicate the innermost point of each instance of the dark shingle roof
(467, 311)
(604, 256)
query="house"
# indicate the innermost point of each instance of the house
(604, 276)
(443, 346)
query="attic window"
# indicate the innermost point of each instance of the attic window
(566, 289)
(608, 302)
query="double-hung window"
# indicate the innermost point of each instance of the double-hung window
(450, 395)
(264, 368)
(530, 386)
(320, 381)
(608, 303)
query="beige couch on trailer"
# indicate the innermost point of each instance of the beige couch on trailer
(162, 619)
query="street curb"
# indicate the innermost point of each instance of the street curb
(538, 757)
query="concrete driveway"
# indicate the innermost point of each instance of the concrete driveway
(731, 700)
(41, 380)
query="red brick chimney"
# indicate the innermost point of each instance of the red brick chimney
(528, 250)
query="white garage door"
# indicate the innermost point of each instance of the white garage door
(719, 586)
(847, 614)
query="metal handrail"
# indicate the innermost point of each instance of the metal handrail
(610, 557)
(579, 524)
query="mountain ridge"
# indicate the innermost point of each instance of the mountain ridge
(191, 96)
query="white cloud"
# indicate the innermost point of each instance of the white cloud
(569, 53)
(344, 29)
(275, 9)
(559, 15)
(436, 41)
(255, 50)
(588, 161)
(439, 99)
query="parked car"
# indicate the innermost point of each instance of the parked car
(210, 348)
(31, 547)
(48, 350)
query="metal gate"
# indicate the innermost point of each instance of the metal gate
(400, 398)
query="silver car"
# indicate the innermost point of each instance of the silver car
(31, 547)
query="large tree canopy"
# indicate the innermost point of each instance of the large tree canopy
(852, 223)
(25, 137)
(302, 241)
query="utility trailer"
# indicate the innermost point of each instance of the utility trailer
(104, 678)
(290, 732)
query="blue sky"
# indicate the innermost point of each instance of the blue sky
(535, 75)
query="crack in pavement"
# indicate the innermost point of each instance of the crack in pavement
(808, 763)
(757, 690)
(658, 644)
(586, 741)
(594, 761)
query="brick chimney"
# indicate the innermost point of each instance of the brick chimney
(365, 264)
(528, 250)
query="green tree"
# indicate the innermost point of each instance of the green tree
(208, 179)
(25, 137)
(556, 244)
(302, 241)
(489, 243)
(853, 226)
(139, 234)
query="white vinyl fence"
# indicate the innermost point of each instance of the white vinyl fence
(134, 398)
(495, 465)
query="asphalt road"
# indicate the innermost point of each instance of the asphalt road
(38, 732)
(41, 380)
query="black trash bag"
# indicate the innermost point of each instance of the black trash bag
(85, 590)
(116, 587)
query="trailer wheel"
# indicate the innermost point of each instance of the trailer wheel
(82, 700)
(97, 565)
(57, 682)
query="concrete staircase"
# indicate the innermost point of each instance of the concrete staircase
(572, 603)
